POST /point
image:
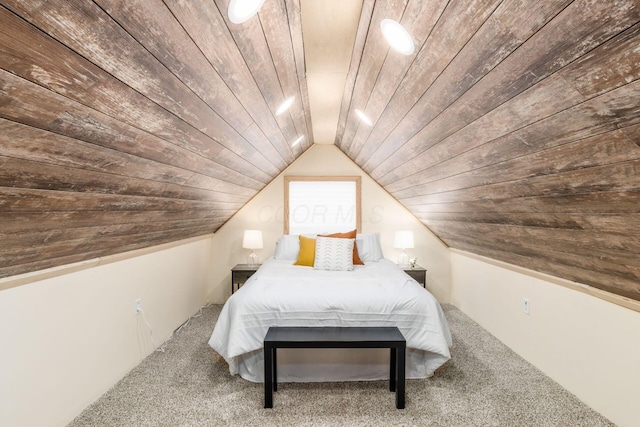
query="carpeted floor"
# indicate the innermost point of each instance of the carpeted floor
(484, 384)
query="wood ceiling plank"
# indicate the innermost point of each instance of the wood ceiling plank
(107, 248)
(32, 105)
(616, 177)
(364, 25)
(295, 29)
(597, 279)
(498, 37)
(25, 142)
(509, 148)
(61, 70)
(102, 243)
(29, 174)
(618, 223)
(613, 64)
(43, 239)
(437, 52)
(608, 148)
(251, 41)
(419, 18)
(600, 114)
(88, 30)
(605, 202)
(152, 25)
(580, 239)
(276, 25)
(57, 261)
(607, 276)
(633, 133)
(207, 28)
(35, 200)
(48, 222)
(373, 57)
(618, 264)
(572, 33)
(530, 106)
(255, 134)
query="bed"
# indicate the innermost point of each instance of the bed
(377, 293)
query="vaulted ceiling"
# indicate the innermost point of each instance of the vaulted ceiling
(512, 132)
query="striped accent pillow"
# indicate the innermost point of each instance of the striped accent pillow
(335, 254)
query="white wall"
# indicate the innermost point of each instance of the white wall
(380, 213)
(588, 345)
(67, 339)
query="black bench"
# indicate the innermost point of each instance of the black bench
(335, 337)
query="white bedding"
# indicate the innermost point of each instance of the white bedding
(376, 294)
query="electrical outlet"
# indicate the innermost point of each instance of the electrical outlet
(138, 306)
(526, 306)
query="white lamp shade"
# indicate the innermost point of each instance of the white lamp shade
(252, 239)
(403, 240)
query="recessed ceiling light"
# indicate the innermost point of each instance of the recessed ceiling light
(241, 10)
(364, 117)
(285, 105)
(297, 141)
(397, 36)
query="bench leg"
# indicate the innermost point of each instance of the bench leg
(400, 377)
(392, 369)
(275, 369)
(268, 377)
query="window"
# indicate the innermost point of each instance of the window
(317, 205)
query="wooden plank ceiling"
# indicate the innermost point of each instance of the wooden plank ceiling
(126, 124)
(512, 132)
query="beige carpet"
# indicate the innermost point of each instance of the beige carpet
(485, 384)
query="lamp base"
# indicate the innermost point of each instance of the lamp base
(253, 259)
(403, 259)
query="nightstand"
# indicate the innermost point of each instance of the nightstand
(240, 273)
(417, 273)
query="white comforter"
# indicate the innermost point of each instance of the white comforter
(377, 294)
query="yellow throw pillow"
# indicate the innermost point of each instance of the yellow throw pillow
(307, 253)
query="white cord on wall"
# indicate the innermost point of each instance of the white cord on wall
(163, 347)
(144, 318)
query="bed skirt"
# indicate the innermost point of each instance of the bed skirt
(328, 365)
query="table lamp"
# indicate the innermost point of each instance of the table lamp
(252, 240)
(403, 240)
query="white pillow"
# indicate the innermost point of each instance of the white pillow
(334, 254)
(287, 247)
(369, 248)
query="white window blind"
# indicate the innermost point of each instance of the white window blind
(318, 207)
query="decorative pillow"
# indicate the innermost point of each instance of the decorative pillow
(369, 247)
(287, 247)
(307, 253)
(348, 235)
(335, 254)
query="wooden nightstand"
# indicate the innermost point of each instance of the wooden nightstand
(240, 273)
(417, 273)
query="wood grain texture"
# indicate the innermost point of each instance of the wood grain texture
(130, 124)
(516, 136)
(513, 131)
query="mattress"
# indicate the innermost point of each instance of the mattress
(374, 294)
